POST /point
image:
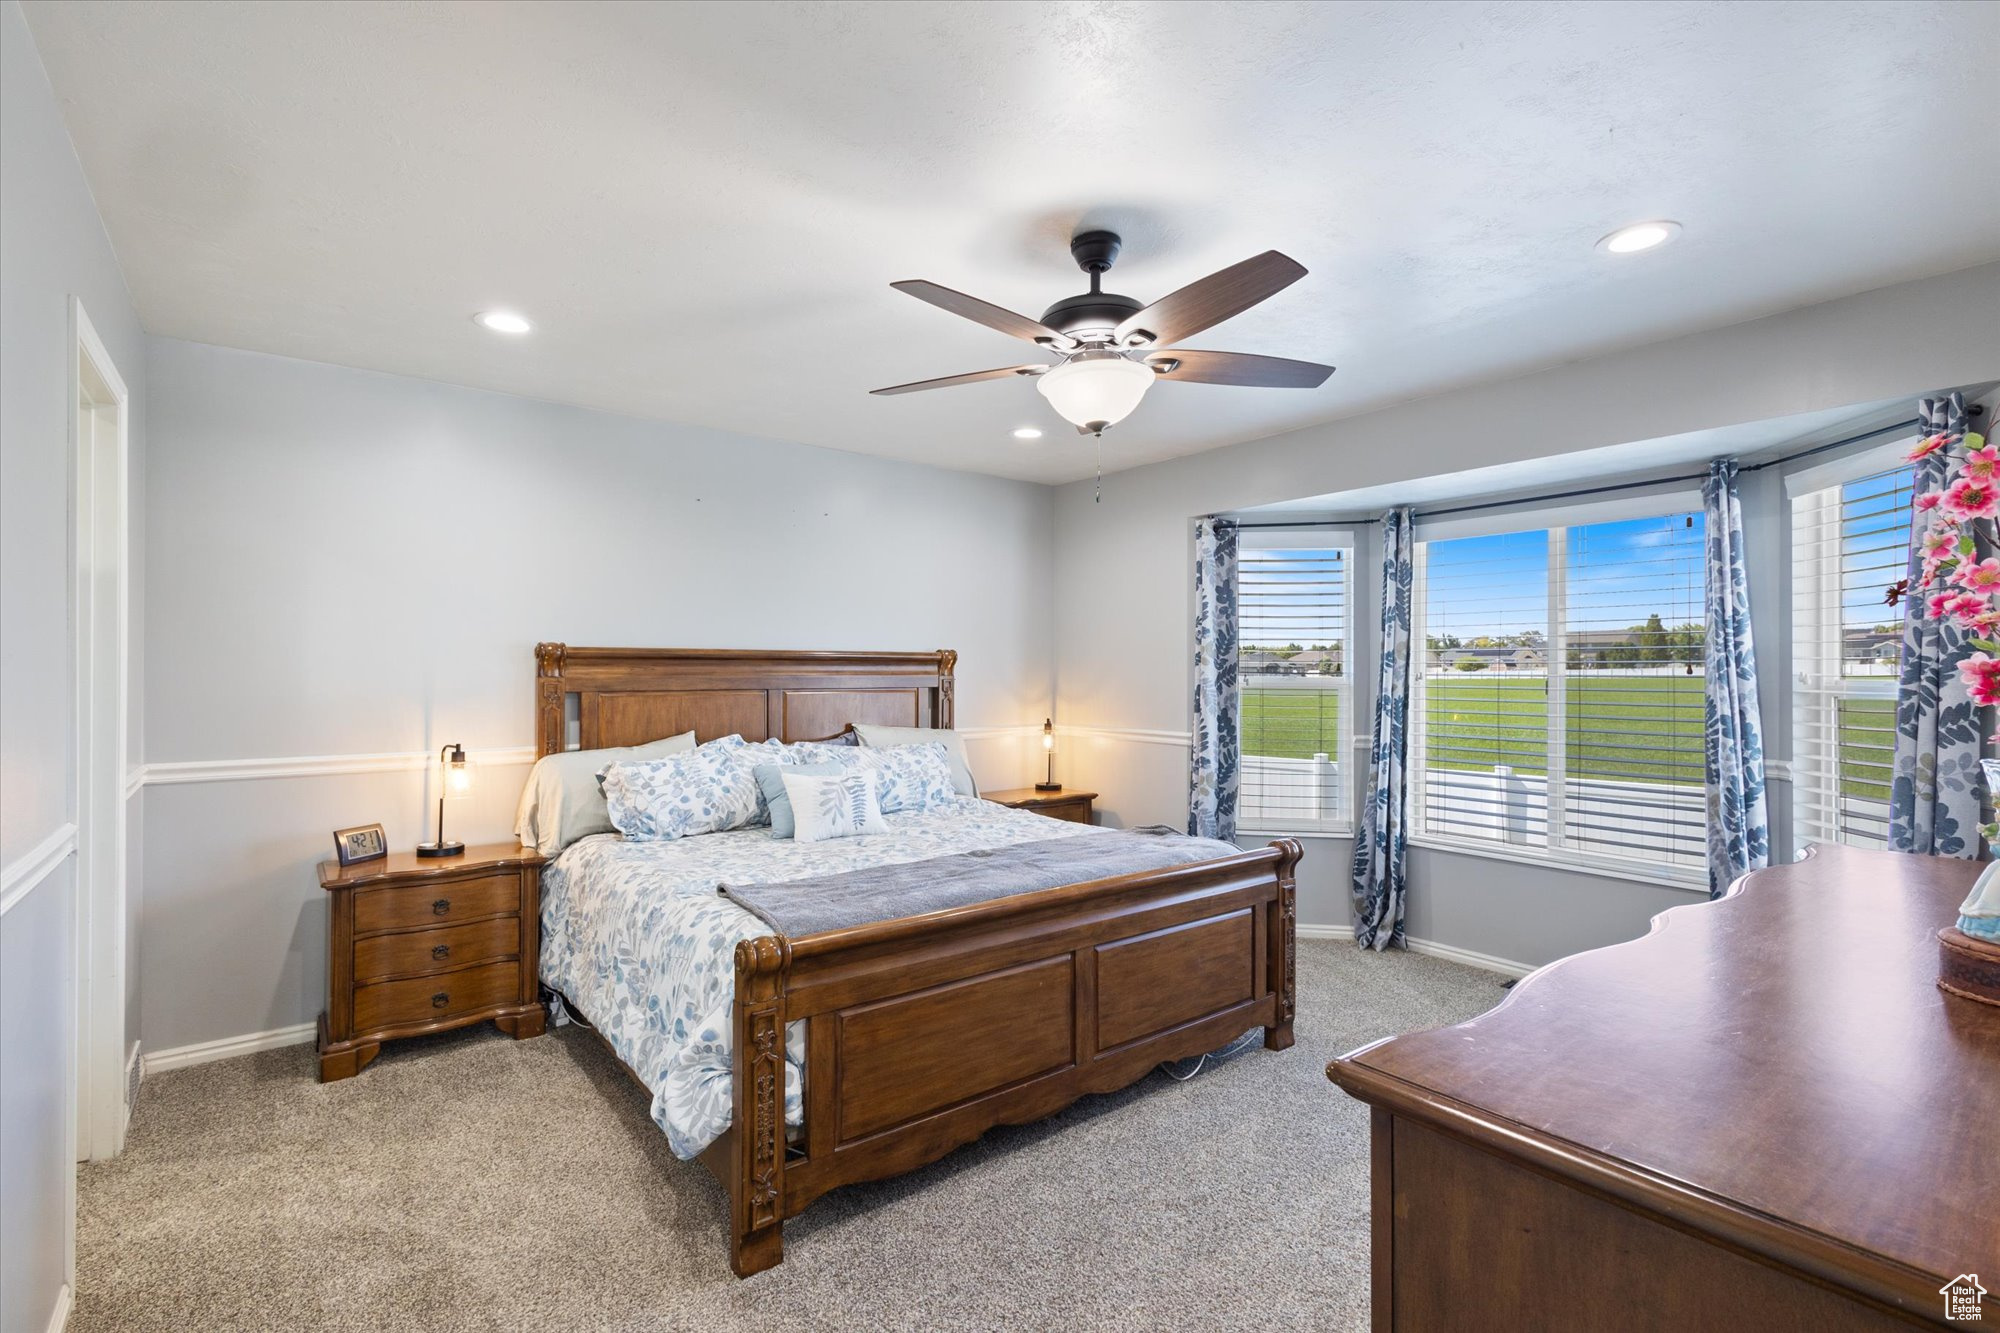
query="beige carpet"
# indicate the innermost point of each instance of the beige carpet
(472, 1182)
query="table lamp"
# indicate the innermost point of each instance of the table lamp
(1049, 746)
(454, 779)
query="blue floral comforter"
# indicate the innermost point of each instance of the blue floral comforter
(639, 939)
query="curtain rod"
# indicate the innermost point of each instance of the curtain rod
(1973, 411)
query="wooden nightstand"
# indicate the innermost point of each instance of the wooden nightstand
(1067, 804)
(420, 945)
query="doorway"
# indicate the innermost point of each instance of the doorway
(99, 421)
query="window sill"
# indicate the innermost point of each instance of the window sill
(1288, 831)
(1573, 862)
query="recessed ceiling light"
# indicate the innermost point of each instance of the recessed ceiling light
(1028, 433)
(1639, 236)
(502, 321)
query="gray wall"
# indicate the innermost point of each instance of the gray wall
(349, 563)
(52, 246)
(1130, 599)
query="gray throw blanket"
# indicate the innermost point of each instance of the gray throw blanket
(802, 907)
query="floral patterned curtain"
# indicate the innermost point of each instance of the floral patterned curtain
(1739, 824)
(1213, 769)
(1381, 833)
(1936, 794)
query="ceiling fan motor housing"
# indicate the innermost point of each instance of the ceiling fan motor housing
(1094, 311)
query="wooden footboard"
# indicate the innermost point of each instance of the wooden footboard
(925, 1032)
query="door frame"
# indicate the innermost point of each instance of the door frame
(100, 593)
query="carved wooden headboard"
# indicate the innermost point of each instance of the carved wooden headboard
(627, 696)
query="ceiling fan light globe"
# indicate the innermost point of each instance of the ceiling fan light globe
(1095, 391)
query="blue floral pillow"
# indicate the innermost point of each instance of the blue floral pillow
(907, 777)
(779, 753)
(706, 790)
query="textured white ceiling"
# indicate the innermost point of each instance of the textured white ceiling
(702, 206)
(1749, 441)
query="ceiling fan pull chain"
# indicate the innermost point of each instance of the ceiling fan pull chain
(1100, 469)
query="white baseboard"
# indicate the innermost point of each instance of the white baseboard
(201, 1053)
(135, 1074)
(1506, 967)
(59, 1317)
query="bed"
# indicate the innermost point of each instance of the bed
(791, 1065)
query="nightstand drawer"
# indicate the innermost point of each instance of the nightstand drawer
(435, 904)
(1074, 812)
(428, 999)
(415, 952)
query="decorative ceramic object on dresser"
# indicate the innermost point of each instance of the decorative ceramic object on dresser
(1072, 805)
(1969, 951)
(420, 945)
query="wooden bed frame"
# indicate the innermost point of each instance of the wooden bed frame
(923, 1033)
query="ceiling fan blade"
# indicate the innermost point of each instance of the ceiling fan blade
(982, 312)
(1255, 372)
(972, 378)
(1208, 301)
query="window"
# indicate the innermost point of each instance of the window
(1849, 543)
(1296, 691)
(1557, 704)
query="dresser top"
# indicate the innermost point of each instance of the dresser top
(1778, 1064)
(408, 867)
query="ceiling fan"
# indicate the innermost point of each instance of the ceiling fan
(1107, 342)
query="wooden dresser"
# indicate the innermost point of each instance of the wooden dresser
(1762, 1115)
(1073, 806)
(416, 945)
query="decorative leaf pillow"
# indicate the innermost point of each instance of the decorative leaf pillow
(838, 805)
(907, 777)
(771, 782)
(707, 790)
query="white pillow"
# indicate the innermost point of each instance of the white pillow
(707, 790)
(564, 801)
(882, 738)
(839, 805)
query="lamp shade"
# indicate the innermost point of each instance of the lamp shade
(457, 773)
(1096, 389)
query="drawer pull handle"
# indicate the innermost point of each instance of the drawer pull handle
(442, 951)
(440, 907)
(440, 1000)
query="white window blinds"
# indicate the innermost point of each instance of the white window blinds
(1295, 683)
(1559, 701)
(1849, 543)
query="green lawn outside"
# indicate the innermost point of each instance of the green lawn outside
(1482, 720)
